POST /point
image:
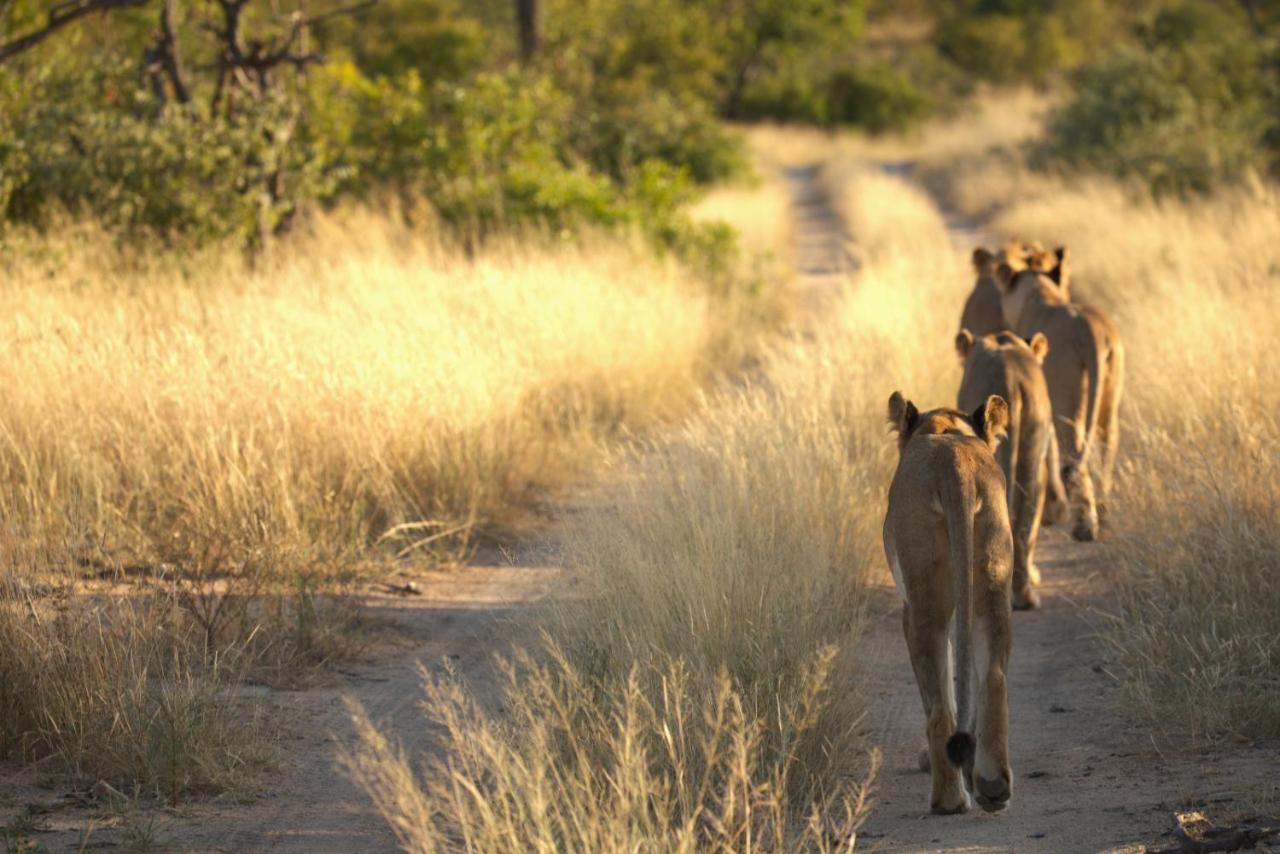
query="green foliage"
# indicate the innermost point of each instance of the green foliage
(411, 98)
(1018, 41)
(760, 38)
(431, 37)
(876, 97)
(657, 72)
(642, 76)
(504, 149)
(615, 124)
(95, 147)
(1182, 110)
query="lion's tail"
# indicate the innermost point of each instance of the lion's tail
(1093, 371)
(961, 503)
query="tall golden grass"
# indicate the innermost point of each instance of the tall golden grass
(723, 580)
(367, 384)
(240, 436)
(126, 693)
(564, 767)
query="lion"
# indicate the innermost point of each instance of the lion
(1084, 370)
(1004, 364)
(949, 547)
(982, 313)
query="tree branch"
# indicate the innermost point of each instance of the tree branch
(162, 58)
(259, 57)
(341, 10)
(60, 15)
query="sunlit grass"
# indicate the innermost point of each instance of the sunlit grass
(367, 383)
(719, 592)
(241, 435)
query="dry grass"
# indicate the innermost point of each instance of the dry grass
(369, 384)
(125, 692)
(1193, 288)
(566, 768)
(758, 213)
(721, 594)
(225, 443)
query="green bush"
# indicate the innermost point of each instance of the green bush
(431, 37)
(1025, 41)
(990, 46)
(1182, 112)
(506, 149)
(109, 153)
(877, 98)
(792, 95)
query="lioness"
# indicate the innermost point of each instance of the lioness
(1003, 364)
(982, 313)
(947, 540)
(1084, 370)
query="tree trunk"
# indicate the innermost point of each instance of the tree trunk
(527, 28)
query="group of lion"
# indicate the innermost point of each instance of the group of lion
(1045, 375)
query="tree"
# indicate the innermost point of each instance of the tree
(755, 35)
(61, 14)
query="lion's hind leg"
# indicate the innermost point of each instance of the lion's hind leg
(992, 777)
(931, 660)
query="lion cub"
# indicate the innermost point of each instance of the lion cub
(947, 540)
(1084, 371)
(1005, 365)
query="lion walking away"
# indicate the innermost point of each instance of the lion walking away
(948, 543)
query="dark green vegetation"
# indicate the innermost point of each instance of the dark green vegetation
(1192, 100)
(1178, 95)
(206, 119)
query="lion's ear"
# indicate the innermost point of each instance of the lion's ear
(1039, 346)
(902, 415)
(964, 343)
(982, 260)
(1004, 276)
(1061, 272)
(991, 420)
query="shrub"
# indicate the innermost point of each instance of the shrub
(1025, 41)
(989, 46)
(430, 37)
(877, 98)
(1181, 113)
(95, 147)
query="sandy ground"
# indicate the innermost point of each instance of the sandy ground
(1085, 779)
